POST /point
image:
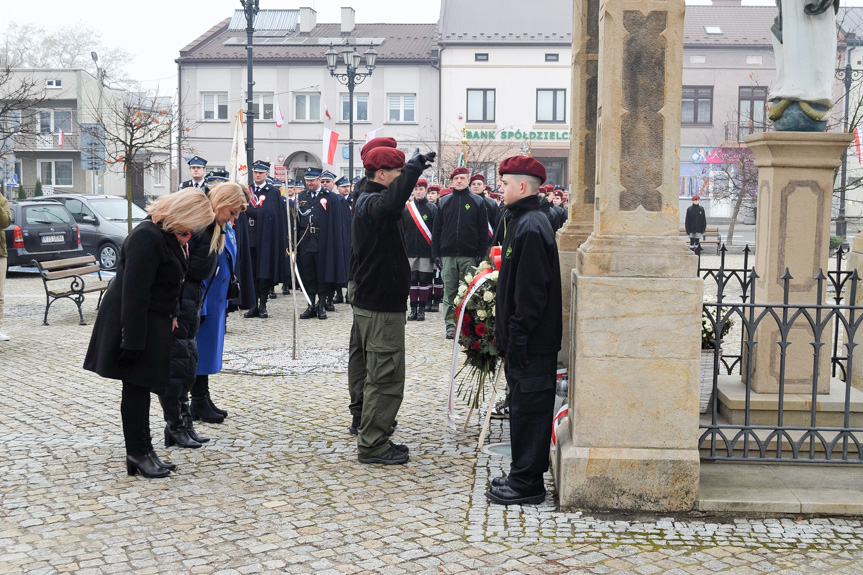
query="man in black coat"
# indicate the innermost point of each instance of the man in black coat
(696, 223)
(267, 237)
(528, 328)
(197, 169)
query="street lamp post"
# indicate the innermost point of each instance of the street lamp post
(350, 78)
(250, 9)
(100, 76)
(846, 75)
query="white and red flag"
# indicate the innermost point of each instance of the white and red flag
(280, 120)
(330, 143)
(326, 110)
(373, 134)
(856, 143)
(239, 168)
(60, 137)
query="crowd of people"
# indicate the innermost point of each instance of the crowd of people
(398, 246)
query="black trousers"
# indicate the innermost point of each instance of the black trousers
(135, 412)
(356, 372)
(531, 410)
(262, 287)
(308, 264)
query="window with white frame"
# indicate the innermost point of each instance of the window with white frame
(480, 105)
(54, 83)
(158, 175)
(551, 105)
(215, 105)
(361, 107)
(402, 108)
(358, 173)
(55, 172)
(263, 106)
(52, 121)
(307, 107)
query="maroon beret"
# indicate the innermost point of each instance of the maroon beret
(458, 171)
(421, 183)
(523, 166)
(384, 159)
(434, 188)
(696, 197)
(477, 177)
(488, 189)
(445, 192)
(558, 193)
(494, 195)
(377, 143)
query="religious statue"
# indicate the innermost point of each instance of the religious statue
(804, 43)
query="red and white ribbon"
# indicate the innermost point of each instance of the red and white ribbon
(562, 414)
(418, 220)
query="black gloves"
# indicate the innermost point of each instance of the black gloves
(422, 161)
(438, 263)
(129, 356)
(516, 352)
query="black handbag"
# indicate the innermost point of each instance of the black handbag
(234, 283)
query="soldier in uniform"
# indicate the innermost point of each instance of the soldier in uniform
(197, 168)
(528, 328)
(459, 239)
(557, 206)
(267, 233)
(215, 178)
(436, 291)
(417, 222)
(477, 188)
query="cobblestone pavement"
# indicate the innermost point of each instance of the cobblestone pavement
(279, 490)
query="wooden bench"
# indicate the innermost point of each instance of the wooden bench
(73, 270)
(710, 237)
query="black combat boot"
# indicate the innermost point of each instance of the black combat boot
(413, 315)
(262, 308)
(339, 297)
(322, 310)
(421, 311)
(311, 311)
(432, 305)
(252, 312)
(329, 305)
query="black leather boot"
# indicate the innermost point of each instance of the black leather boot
(145, 464)
(252, 312)
(432, 306)
(175, 429)
(339, 297)
(221, 412)
(322, 311)
(273, 292)
(186, 414)
(413, 315)
(421, 312)
(201, 410)
(262, 308)
(166, 464)
(329, 303)
(310, 312)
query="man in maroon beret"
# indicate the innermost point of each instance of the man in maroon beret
(459, 239)
(378, 291)
(528, 328)
(696, 224)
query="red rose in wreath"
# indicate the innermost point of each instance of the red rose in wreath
(480, 329)
(476, 345)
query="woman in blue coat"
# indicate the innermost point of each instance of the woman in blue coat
(228, 200)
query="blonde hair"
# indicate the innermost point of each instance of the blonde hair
(188, 209)
(226, 194)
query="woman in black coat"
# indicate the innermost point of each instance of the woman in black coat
(131, 339)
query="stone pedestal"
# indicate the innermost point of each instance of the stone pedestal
(579, 225)
(795, 191)
(631, 441)
(855, 262)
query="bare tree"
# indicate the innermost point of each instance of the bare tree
(136, 132)
(21, 93)
(735, 180)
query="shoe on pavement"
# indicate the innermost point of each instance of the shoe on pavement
(4, 337)
(391, 456)
(500, 410)
(498, 481)
(506, 495)
(399, 447)
(355, 426)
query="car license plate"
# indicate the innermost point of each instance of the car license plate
(53, 239)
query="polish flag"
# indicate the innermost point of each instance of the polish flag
(857, 143)
(60, 137)
(373, 134)
(326, 110)
(330, 143)
(280, 120)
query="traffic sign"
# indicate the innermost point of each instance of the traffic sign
(92, 147)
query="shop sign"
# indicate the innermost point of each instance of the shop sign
(518, 135)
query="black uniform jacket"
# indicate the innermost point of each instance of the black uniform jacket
(696, 220)
(415, 241)
(268, 234)
(191, 184)
(184, 350)
(460, 226)
(138, 307)
(529, 305)
(379, 261)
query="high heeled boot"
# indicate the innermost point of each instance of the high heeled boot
(186, 414)
(146, 465)
(175, 428)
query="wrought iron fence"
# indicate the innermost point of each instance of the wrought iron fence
(805, 431)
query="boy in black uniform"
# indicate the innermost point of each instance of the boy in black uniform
(528, 327)
(417, 222)
(378, 291)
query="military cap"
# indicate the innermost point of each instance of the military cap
(343, 181)
(261, 166)
(422, 183)
(479, 177)
(312, 174)
(196, 161)
(327, 175)
(458, 171)
(523, 166)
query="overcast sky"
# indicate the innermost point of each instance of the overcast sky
(153, 31)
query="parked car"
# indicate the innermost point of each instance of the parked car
(41, 231)
(103, 223)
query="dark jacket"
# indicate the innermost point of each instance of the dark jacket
(268, 234)
(137, 310)
(191, 184)
(696, 220)
(184, 349)
(415, 242)
(378, 258)
(460, 226)
(529, 306)
(492, 213)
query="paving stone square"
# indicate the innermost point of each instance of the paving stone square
(279, 489)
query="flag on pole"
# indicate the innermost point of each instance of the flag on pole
(280, 120)
(239, 171)
(857, 143)
(60, 137)
(326, 110)
(373, 134)
(461, 161)
(330, 143)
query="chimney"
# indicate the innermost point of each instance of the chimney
(348, 17)
(308, 20)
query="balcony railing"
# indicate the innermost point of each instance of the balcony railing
(734, 131)
(47, 142)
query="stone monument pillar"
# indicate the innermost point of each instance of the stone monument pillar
(795, 193)
(631, 441)
(582, 173)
